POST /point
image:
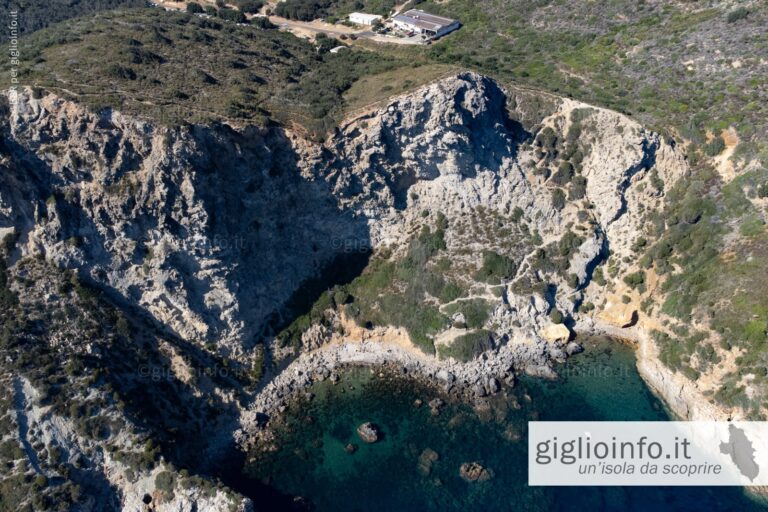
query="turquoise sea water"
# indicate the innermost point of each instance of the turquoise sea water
(600, 384)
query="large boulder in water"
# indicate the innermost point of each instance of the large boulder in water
(368, 432)
(475, 472)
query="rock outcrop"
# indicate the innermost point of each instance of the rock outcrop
(368, 432)
(474, 472)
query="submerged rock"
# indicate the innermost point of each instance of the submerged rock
(368, 432)
(434, 406)
(426, 459)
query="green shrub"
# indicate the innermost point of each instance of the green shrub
(41, 481)
(578, 188)
(737, 14)
(564, 174)
(249, 6)
(495, 268)
(475, 311)
(468, 346)
(598, 277)
(165, 481)
(558, 199)
(715, 147)
(635, 279)
(232, 15)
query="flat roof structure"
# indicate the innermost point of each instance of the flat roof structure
(362, 18)
(425, 22)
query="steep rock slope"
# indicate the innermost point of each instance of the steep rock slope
(479, 219)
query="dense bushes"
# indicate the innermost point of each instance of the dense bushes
(232, 15)
(249, 6)
(322, 87)
(37, 15)
(303, 10)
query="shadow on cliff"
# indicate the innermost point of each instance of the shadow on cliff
(282, 226)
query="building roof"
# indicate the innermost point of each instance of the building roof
(364, 16)
(424, 20)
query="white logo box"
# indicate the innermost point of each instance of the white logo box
(647, 453)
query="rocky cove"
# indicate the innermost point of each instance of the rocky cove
(454, 234)
(439, 452)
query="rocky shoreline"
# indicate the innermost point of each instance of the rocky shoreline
(679, 394)
(471, 382)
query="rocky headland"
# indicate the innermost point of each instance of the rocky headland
(486, 213)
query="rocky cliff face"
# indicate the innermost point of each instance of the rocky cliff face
(211, 230)
(207, 229)
(453, 148)
(215, 236)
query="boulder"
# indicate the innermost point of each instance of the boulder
(492, 386)
(618, 314)
(556, 333)
(474, 472)
(446, 378)
(573, 348)
(368, 432)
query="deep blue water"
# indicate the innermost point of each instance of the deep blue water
(600, 384)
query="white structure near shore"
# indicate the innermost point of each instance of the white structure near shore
(424, 23)
(361, 18)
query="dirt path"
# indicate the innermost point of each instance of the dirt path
(306, 29)
(723, 162)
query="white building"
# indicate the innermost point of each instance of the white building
(424, 23)
(362, 18)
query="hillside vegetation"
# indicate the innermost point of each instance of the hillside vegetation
(36, 14)
(175, 67)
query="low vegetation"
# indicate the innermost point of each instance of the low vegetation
(187, 69)
(36, 15)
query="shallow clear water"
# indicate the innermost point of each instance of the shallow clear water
(600, 384)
